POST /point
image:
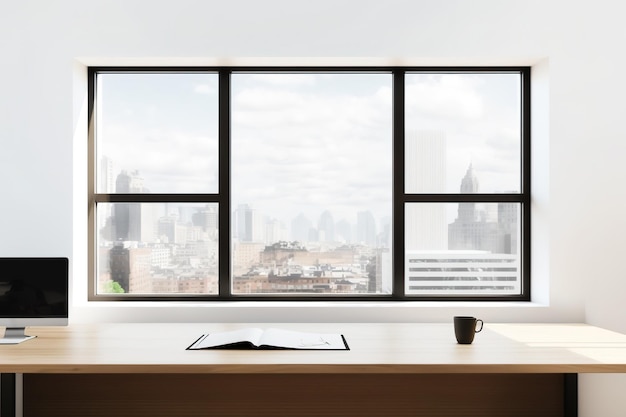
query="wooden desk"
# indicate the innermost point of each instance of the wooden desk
(391, 369)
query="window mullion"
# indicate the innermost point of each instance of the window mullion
(464, 198)
(155, 198)
(398, 181)
(225, 247)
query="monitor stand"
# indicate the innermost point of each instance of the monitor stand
(14, 335)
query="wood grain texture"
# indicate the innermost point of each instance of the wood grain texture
(384, 348)
(295, 395)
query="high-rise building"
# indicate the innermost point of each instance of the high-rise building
(386, 235)
(107, 176)
(274, 231)
(425, 161)
(129, 183)
(343, 231)
(366, 228)
(469, 185)
(129, 266)
(300, 228)
(245, 256)
(382, 282)
(481, 226)
(326, 227)
(206, 218)
(508, 215)
(133, 221)
(461, 272)
(106, 184)
(425, 167)
(169, 231)
(243, 223)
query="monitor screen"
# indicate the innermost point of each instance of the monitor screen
(33, 291)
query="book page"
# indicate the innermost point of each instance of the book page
(302, 340)
(251, 335)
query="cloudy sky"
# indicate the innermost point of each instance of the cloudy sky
(313, 143)
(307, 142)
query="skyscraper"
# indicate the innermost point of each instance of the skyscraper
(469, 185)
(243, 223)
(129, 183)
(106, 177)
(250, 224)
(366, 228)
(508, 215)
(425, 161)
(343, 231)
(206, 218)
(133, 221)
(326, 227)
(475, 228)
(425, 167)
(106, 184)
(130, 267)
(300, 228)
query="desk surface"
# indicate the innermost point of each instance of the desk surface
(375, 348)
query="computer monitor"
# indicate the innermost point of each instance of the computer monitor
(33, 292)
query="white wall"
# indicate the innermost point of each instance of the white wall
(575, 47)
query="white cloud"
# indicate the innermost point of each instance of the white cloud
(322, 151)
(168, 161)
(479, 116)
(204, 89)
(447, 96)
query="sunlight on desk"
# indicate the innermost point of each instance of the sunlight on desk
(601, 345)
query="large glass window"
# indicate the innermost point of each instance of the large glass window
(463, 173)
(158, 129)
(309, 183)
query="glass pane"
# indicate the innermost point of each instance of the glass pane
(459, 121)
(311, 183)
(462, 249)
(157, 248)
(157, 133)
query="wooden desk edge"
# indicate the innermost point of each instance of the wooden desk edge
(314, 369)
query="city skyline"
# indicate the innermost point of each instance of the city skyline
(428, 216)
(176, 248)
(131, 181)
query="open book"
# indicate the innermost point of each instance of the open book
(255, 338)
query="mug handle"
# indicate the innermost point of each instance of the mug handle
(481, 325)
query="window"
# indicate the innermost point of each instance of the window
(309, 183)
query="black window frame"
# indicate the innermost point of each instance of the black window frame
(400, 196)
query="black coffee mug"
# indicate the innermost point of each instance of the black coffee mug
(465, 328)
